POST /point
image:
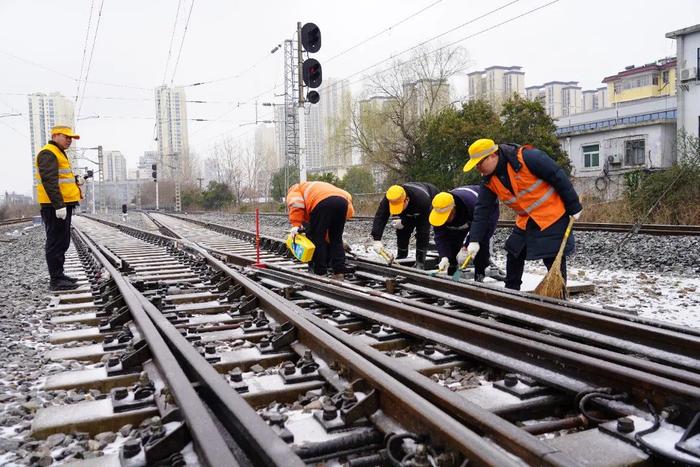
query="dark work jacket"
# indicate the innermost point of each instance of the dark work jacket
(417, 212)
(48, 171)
(466, 198)
(539, 243)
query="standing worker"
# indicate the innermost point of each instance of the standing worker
(58, 192)
(323, 209)
(528, 181)
(452, 216)
(411, 202)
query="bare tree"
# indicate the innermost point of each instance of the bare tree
(387, 125)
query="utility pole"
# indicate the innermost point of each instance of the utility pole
(200, 180)
(178, 197)
(291, 135)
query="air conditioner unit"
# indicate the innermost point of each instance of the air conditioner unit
(688, 74)
(615, 159)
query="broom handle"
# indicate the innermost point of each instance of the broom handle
(566, 236)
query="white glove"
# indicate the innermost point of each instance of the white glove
(443, 264)
(473, 248)
(377, 246)
(80, 181)
(462, 255)
(577, 215)
(61, 213)
(397, 224)
(294, 231)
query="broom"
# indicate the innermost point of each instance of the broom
(553, 285)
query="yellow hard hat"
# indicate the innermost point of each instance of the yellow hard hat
(64, 130)
(478, 150)
(396, 196)
(443, 203)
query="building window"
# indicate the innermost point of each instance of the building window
(634, 152)
(591, 156)
(655, 80)
(664, 77)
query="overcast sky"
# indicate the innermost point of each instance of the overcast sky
(42, 44)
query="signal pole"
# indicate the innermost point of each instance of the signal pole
(100, 169)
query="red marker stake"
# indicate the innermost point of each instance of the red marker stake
(257, 236)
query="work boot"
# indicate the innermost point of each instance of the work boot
(338, 277)
(68, 278)
(61, 284)
(479, 277)
(420, 259)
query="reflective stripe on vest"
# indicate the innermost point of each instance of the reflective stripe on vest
(70, 192)
(530, 197)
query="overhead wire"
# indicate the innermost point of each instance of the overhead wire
(87, 36)
(184, 34)
(92, 51)
(172, 39)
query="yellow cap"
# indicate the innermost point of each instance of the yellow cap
(443, 203)
(64, 130)
(478, 150)
(396, 196)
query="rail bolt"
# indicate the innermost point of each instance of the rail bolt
(131, 448)
(210, 348)
(236, 375)
(276, 419)
(289, 368)
(625, 425)
(376, 328)
(429, 349)
(510, 379)
(113, 361)
(329, 411)
(120, 393)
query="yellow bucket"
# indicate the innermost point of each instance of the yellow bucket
(301, 247)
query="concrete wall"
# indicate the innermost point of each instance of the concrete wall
(689, 49)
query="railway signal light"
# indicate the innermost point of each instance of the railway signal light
(312, 73)
(154, 174)
(311, 38)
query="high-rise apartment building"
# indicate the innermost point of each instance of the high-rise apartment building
(171, 131)
(559, 98)
(114, 166)
(496, 84)
(45, 112)
(595, 99)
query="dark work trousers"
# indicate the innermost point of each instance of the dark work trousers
(403, 237)
(515, 265)
(57, 239)
(328, 216)
(456, 239)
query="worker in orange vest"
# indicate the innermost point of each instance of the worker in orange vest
(528, 181)
(320, 210)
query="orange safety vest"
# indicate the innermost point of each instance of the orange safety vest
(66, 179)
(302, 199)
(531, 197)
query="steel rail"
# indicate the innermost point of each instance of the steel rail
(512, 438)
(254, 437)
(396, 398)
(581, 372)
(14, 221)
(211, 446)
(665, 337)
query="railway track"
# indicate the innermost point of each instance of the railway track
(14, 221)
(466, 380)
(647, 229)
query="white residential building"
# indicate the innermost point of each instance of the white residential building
(171, 131)
(688, 76)
(594, 99)
(45, 112)
(496, 84)
(605, 144)
(559, 98)
(114, 166)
